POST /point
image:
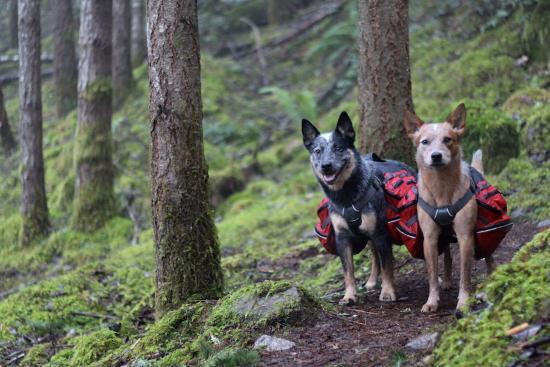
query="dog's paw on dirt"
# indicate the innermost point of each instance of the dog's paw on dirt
(370, 284)
(347, 301)
(387, 295)
(429, 307)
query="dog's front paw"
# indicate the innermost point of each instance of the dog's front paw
(387, 294)
(429, 307)
(347, 301)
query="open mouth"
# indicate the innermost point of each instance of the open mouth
(331, 178)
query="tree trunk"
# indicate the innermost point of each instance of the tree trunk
(94, 198)
(187, 252)
(6, 137)
(384, 78)
(139, 43)
(34, 208)
(64, 59)
(13, 24)
(122, 68)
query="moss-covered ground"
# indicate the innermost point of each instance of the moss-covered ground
(80, 299)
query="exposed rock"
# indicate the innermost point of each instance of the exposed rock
(426, 341)
(518, 212)
(543, 224)
(265, 307)
(273, 344)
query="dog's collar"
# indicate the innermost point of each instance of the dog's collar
(445, 215)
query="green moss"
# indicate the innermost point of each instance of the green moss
(524, 184)
(537, 32)
(535, 135)
(233, 358)
(9, 231)
(90, 348)
(99, 89)
(36, 356)
(489, 130)
(516, 292)
(526, 101)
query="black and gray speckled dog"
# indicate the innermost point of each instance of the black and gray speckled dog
(353, 184)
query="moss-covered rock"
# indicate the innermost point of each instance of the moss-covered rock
(247, 310)
(36, 356)
(91, 348)
(516, 293)
(535, 135)
(524, 102)
(491, 131)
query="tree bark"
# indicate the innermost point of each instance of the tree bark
(139, 43)
(384, 78)
(94, 198)
(187, 252)
(6, 136)
(34, 209)
(13, 24)
(122, 67)
(65, 73)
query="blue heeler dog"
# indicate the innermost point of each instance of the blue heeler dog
(353, 184)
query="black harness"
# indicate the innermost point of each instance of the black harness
(352, 214)
(445, 215)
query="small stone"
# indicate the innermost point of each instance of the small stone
(273, 344)
(426, 341)
(482, 296)
(428, 360)
(543, 224)
(518, 212)
(70, 333)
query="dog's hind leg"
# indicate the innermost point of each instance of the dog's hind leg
(343, 246)
(490, 263)
(375, 267)
(383, 245)
(447, 269)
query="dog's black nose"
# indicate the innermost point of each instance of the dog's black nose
(436, 157)
(327, 168)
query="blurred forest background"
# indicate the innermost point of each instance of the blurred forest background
(78, 289)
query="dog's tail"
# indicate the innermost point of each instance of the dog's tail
(477, 160)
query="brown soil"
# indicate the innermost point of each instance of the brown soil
(374, 333)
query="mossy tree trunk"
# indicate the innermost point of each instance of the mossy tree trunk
(12, 23)
(122, 67)
(7, 139)
(384, 78)
(64, 57)
(187, 251)
(34, 210)
(94, 198)
(139, 43)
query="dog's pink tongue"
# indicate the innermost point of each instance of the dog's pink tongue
(329, 178)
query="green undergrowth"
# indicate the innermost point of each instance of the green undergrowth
(517, 292)
(526, 187)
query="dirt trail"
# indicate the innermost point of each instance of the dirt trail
(371, 333)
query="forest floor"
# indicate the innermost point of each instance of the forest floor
(373, 333)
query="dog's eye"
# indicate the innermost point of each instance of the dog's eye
(338, 148)
(447, 140)
(317, 151)
(425, 142)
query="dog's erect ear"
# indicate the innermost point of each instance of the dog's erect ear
(344, 127)
(309, 133)
(412, 123)
(457, 119)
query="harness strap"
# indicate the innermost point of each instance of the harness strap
(445, 215)
(352, 214)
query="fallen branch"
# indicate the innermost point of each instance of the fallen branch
(517, 329)
(14, 76)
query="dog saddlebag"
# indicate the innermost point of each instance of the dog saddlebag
(493, 221)
(325, 232)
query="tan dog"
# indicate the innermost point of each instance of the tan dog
(443, 179)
